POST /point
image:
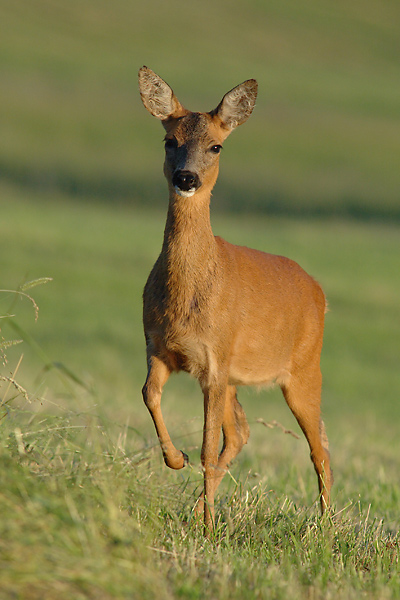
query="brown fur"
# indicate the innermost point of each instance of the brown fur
(226, 314)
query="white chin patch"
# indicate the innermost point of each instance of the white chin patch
(184, 193)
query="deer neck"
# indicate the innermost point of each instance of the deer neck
(189, 248)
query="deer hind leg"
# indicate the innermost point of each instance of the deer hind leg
(303, 396)
(235, 430)
(157, 376)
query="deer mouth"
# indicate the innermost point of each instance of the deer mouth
(184, 193)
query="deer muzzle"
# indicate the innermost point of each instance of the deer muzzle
(186, 183)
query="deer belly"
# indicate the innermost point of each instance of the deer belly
(257, 364)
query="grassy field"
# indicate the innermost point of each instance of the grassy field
(88, 509)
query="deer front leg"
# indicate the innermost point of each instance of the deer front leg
(157, 375)
(236, 432)
(214, 406)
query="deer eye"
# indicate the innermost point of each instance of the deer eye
(216, 149)
(171, 144)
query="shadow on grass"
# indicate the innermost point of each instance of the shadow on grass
(117, 189)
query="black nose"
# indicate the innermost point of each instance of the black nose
(186, 180)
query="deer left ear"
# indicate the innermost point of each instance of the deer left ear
(237, 104)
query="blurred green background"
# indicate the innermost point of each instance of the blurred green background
(314, 175)
(324, 139)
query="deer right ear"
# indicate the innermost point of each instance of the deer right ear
(158, 97)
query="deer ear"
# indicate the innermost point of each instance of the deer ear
(237, 105)
(158, 97)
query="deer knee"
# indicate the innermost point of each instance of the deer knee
(151, 396)
(242, 426)
(233, 443)
(321, 461)
(236, 436)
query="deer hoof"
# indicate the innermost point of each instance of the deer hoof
(185, 459)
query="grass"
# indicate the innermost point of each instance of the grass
(89, 515)
(90, 511)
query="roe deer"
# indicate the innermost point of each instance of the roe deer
(226, 314)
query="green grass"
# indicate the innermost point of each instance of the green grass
(86, 516)
(88, 508)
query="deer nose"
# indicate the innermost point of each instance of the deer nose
(186, 181)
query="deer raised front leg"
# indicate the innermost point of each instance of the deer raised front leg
(157, 376)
